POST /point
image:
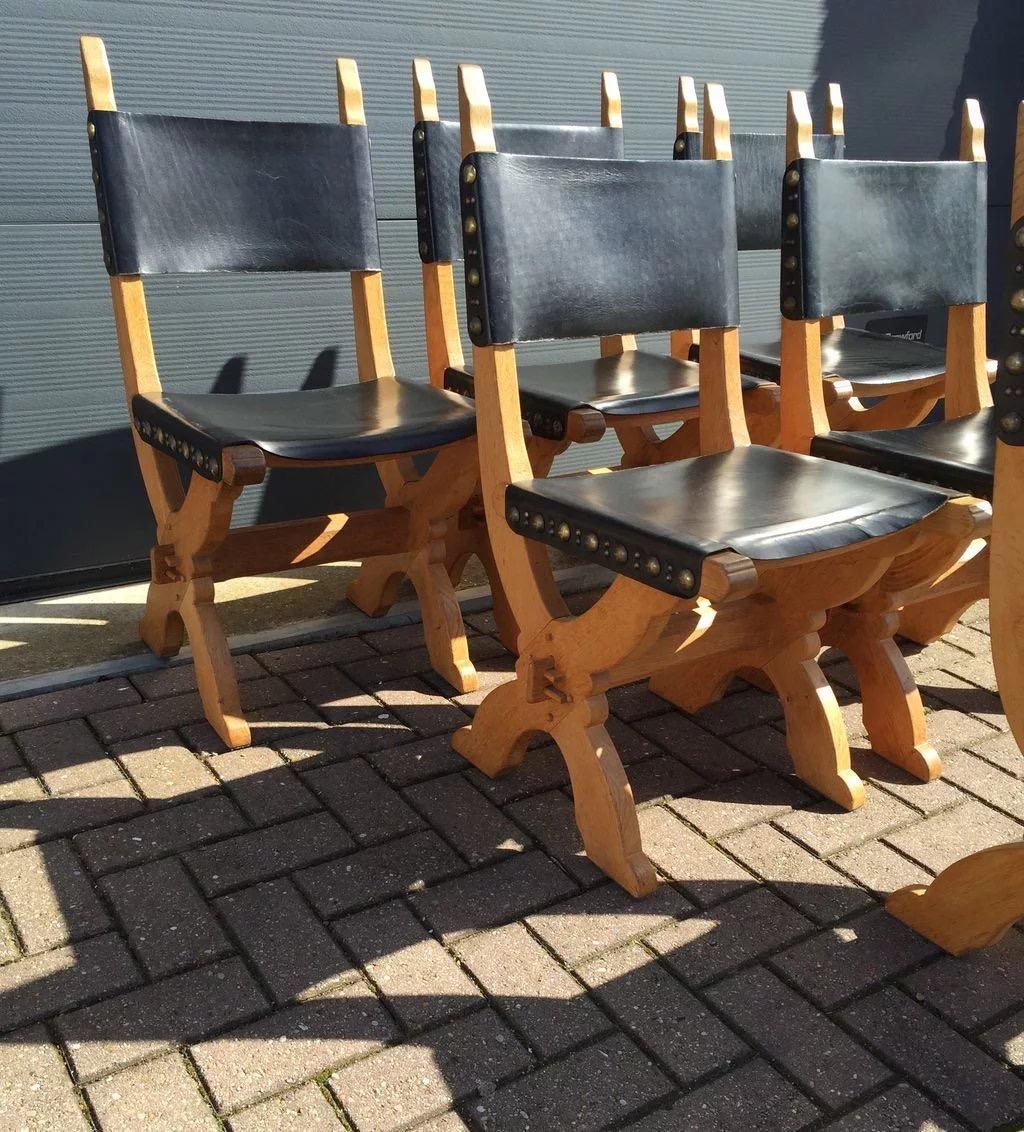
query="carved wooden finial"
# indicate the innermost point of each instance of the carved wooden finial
(972, 131)
(717, 145)
(834, 111)
(475, 111)
(99, 85)
(611, 102)
(687, 121)
(424, 93)
(350, 94)
(799, 128)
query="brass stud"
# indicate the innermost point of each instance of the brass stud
(652, 566)
(686, 579)
(792, 220)
(469, 174)
(564, 532)
(91, 129)
(469, 226)
(789, 303)
(793, 178)
(680, 146)
(420, 134)
(473, 277)
(537, 521)
(213, 466)
(513, 514)
(620, 553)
(421, 173)
(1011, 422)
(591, 541)
(475, 326)
(95, 177)
(424, 250)
(421, 211)
(1017, 300)
(1015, 362)
(789, 263)
(1018, 237)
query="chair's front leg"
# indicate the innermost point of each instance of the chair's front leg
(375, 588)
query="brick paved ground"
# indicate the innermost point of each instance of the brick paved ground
(345, 927)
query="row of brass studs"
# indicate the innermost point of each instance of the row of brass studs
(790, 240)
(590, 541)
(108, 252)
(471, 253)
(180, 449)
(419, 164)
(1013, 363)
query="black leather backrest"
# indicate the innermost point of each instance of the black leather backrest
(575, 247)
(881, 236)
(437, 155)
(759, 161)
(202, 194)
(1008, 387)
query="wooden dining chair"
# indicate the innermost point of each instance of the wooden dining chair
(904, 379)
(877, 236)
(724, 561)
(194, 195)
(974, 902)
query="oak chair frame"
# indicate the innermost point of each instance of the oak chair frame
(974, 902)
(195, 548)
(764, 616)
(922, 593)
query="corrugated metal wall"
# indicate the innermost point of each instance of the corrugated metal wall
(70, 497)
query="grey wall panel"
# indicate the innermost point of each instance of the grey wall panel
(63, 442)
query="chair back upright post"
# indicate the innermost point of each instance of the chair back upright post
(687, 122)
(967, 382)
(836, 126)
(722, 422)
(803, 398)
(504, 459)
(131, 317)
(611, 116)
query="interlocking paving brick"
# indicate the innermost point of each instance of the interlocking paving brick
(9, 948)
(377, 670)
(425, 1076)
(368, 808)
(991, 785)
(542, 1000)
(603, 918)
(36, 1093)
(121, 1031)
(341, 650)
(450, 1122)
(159, 1094)
(818, 890)
(711, 758)
(66, 756)
(657, 1010)
(466, 819)
(962, 695)
(289, 947)
(927, 797)
(879, 868)
(550, 820)
(333, 694)
(415, 762)
(491, 896)
(344, 741)
(732, 806)
(940, 840)
(418, 706)
(53, 707)
(163, 769)
(146, 716)
(378, 873)
(587, 1090)
(542, 769)
(398, 639)
(703, 872)
(18, 785)
(834, 965)
(767, 745)
(1003, 752)
(1007, 1040)
(826, 829)
(825, 1061)
(265, 853)
(971, 990)
(703, 946)
(635, 701)
(179, 678)
(49, 896)
(931, 1053)
(739, 710)
(44, 984)
(660, 778)
(245, 1065)
(9, 756)
(303, 1110)
(419, 980)
(268, 725)
(32, 822)
(264, 788)
(158, 834)
(900, 1107)
(634, 747)
(950, 730)
(168, 924)
(753, 1096)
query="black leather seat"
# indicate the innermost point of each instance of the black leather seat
(870, 362)
(959, 454)
(627, 384)
(363, 420)
(660, 522)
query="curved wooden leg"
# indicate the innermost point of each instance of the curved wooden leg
(375, 588)
(501, 607)
(815, 733)
(970, 904)
(893, 711)
(504, 723)
(161, 627)
(693, 686)
(1007, 585)
(215, 670)
(603, 799)
(926, 621)
(443, 628)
